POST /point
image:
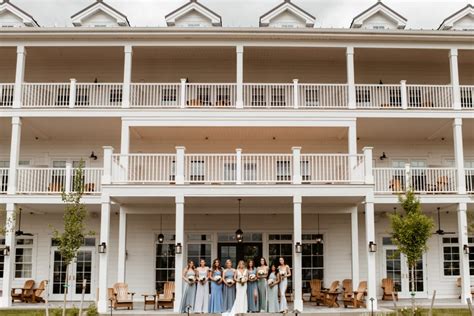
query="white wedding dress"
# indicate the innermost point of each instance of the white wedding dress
(241, 303)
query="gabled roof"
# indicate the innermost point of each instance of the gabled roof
(291, 7)
(376, 8)
(456, 16)
(26, 18)
(171, 17)
(99, 5)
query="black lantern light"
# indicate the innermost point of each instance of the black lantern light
(161, 237)
(179, 248)
(372, 247)
(102, 247)
(239, 234)
(6, 251)
(298, 247)
(466, 249)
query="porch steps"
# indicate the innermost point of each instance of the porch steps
(335, 312)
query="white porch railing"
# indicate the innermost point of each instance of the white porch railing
(467, 97)
(162, 95)
(210, 168)
(98, 95)
(211, 95)
(268, 95)
(389, 180)
(45, 95)
(378, 96)
(332, 168)
(469, 180)
(6, 95)
(3, 180)
(267, 168)
(325, 96)
(143, 168)
(430, 96)
(56, 180)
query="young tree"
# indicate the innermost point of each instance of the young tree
(410, 233)
(72, 237)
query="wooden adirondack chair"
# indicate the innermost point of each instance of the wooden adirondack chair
(166, 299)
(36, 295)
(123, 298)
(18, 294)
(388, 288)
(316, 295)
(356, 298)
(346, 288)
(331, 294)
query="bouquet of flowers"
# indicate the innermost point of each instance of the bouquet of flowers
(283, 273)
(191, 279)
(242, 280)
(202, 278)
(252, 277)
(217, 278)
(261, 272)
(229, 281)
(270, 282)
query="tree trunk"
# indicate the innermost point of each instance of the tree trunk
(66, 289)
(412, 272)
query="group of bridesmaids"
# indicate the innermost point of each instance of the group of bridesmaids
(226, 290)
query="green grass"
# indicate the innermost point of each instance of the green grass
(33, 312)
(440, 312)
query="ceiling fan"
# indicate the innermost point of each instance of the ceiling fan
(19, 232)
(440, 231)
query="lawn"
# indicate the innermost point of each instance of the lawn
(439, 312)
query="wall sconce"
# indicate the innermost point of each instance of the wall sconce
(6, 251)
(383, 156)
(466, 249)
(179, 249)
(372, 247)
(93, 156)
(102, 247)
(298, 247)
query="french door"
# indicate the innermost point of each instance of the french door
(396, 268)
(81, 269)
(236, 252)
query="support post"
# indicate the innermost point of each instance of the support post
(239, 103)
(464, 257)
(355, 246)
(296, 165)
(182, 94)
(404, 94)
(238, 166)
(408, 184)
(69, 176)
(72, 93)
(459, 156)
(297, 262)
(295, 94)
(103, 301)
(122, 245)
(179, 258)
(127, 76)
(14, 155)
(124, 147)
(180, 150)
(369, 173)
(9, 261)
(371, 256)
(454, 74)
(19, 76)
(107, 176)
(350, 77)
(352, 149)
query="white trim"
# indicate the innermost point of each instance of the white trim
(78, 20)
(213, 18)
(27, 20)
(265, 20)
(379, 8)
(449, 23)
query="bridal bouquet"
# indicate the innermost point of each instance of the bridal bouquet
(261, 272)
(283, 273)
(217, 278)
(270, 282)
(229, 281)
(252, 277)
(191, 279)
(202, 278)
(242, 280)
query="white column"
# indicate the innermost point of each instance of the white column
(297, 257)
(369, 174)
(454, 74)
(351, 77)
(19, 75)
(240, 76)
(182, 94)
(352, 148)
(72, 93)
(127, 76)
(14, 155)
(179, 258)
(103, 302)
(296, 100)
(68, 187)
(459, 155)
(122, 245)
(296, 165)
(404, 94)
(355, 246)
(9, 261)
(464, 258)
(371, 256)
(238, 165)
(107, 176)
(180, 150)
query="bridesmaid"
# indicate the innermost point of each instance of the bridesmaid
(228, 292)
(189, 277)
(252, 289)
(262, 274)
(202, 291)
(284, 272)
(272, 294)
(215, 304)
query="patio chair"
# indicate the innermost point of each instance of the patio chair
(18, 294)
(316, 295)
(166, 299)
(346, 288)
(458, 284)
(356, 298)
(388, 288)
(331, 294)
(36, 295)
(122, 297)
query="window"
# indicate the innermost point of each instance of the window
(305, 172)
(451, 256)
(283, 170)
(165, 261)
(116, 96)
(378, 27)
(199, 247)
(230, 169)
(362, 96)
(169, 96)
(311, 97)
(281, 245)
(24, 258)
(278, 96)
(197, 170)
(250, 171)
(313, 259)
(258, 96)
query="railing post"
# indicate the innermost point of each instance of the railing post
(404, 94)
(19, 76)
(295, 93)
(68, 184)
(107, 176)
(407, 177)
(296, 165)
(72, 93)
(239, 102)
(351, 77)
(238, 166)
(369, 174)
(14, 155)
(180, 160)
(127, 76)
(182, 99)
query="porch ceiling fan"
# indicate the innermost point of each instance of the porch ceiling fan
(19, 232)
(440, 231)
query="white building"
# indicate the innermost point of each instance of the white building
(317, 130)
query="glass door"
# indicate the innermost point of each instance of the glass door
(236, 252)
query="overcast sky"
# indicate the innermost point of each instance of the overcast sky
(421, 14)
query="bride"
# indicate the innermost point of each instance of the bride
(241, 278)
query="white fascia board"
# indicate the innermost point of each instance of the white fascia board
(171, 19)
(309, 20)
(449, 23)
(77, 20)
(27, 20)
(401, 23)
(426, 198)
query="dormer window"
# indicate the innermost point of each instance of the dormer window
(462, 20)
(379, 17)
(378, 27)
(99, 14)
(13, 16)
(287, 15)
(193, 14)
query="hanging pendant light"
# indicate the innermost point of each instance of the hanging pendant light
(161, 237)
(239, 234)
(319, 237)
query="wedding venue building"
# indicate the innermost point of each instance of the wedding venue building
(302, 136)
